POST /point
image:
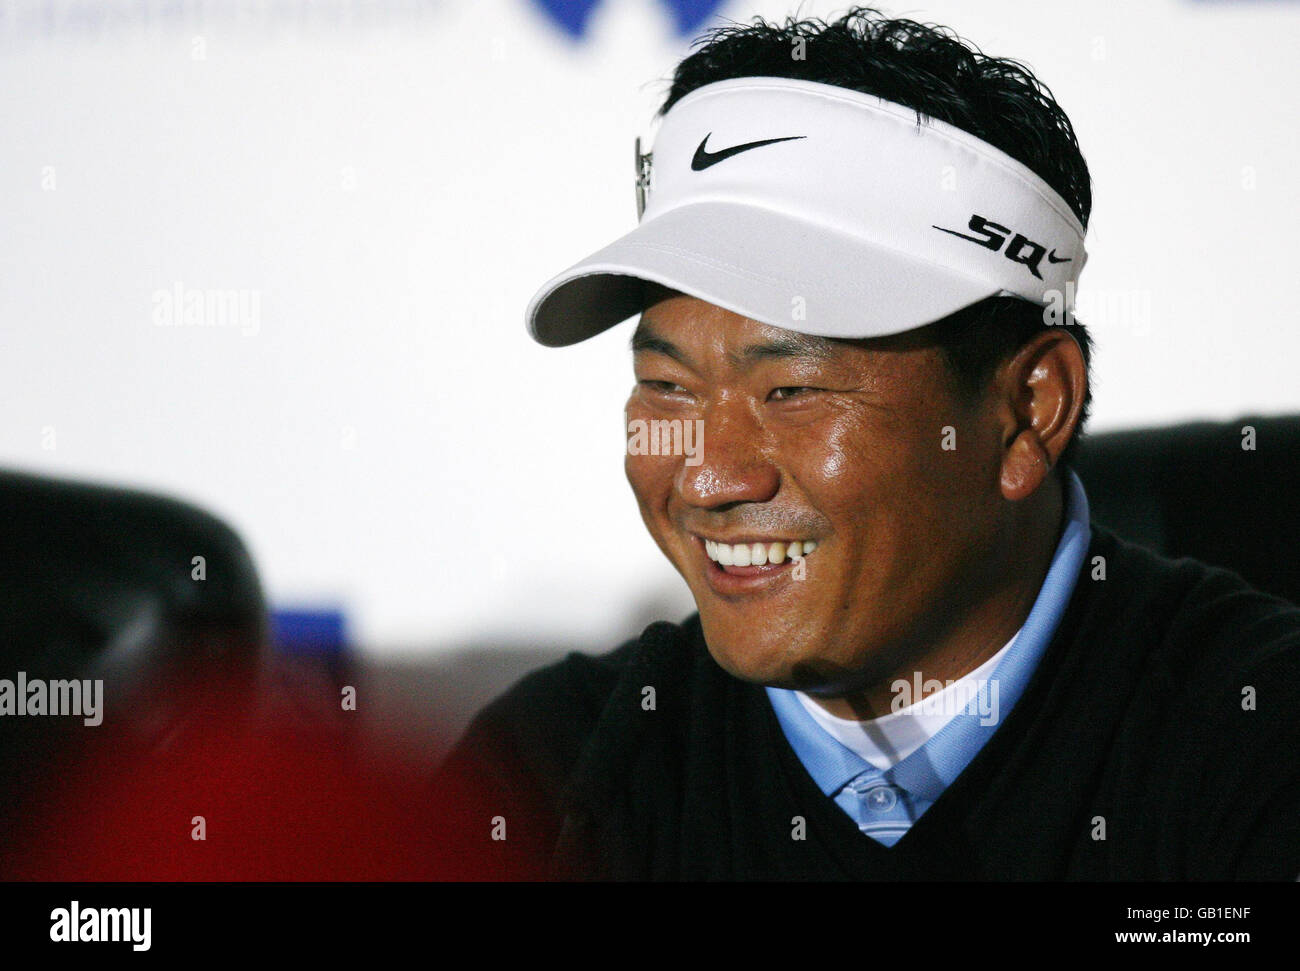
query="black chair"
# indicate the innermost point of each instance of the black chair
(1193, 490)
(95, 576)
(99, 582)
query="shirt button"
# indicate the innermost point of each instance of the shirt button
(881, 799)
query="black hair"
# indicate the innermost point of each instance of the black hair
(930, 69)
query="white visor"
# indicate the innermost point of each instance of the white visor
(821, 210)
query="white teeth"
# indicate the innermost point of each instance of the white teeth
(757, 554)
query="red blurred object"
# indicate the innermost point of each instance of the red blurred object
(280, 798)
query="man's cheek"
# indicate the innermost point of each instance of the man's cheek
(649, 475)
(651, 479)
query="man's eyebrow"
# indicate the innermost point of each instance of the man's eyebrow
(785, 346)
(644, 339)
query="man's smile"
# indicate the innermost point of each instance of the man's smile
(748, 565)
(745, 552)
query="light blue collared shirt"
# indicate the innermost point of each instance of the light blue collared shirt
(885, 803)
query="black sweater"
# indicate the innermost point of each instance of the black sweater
(1135, 726)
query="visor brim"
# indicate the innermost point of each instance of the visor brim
(764, 265)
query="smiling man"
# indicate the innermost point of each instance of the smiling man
(914, 655)
(832, 451)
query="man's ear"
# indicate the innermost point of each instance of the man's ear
(1041, 391)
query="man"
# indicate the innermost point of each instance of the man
(914, 655)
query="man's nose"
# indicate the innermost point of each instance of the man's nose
(733, 463)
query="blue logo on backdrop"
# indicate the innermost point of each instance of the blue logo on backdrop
(572, 15)
(321, 631)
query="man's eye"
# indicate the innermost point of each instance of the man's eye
(793, 391)
(665, 387)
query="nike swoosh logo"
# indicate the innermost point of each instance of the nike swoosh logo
(1053, 258)
(703, 158)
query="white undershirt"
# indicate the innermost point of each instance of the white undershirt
(887, 740)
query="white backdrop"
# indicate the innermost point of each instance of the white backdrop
(382, 185)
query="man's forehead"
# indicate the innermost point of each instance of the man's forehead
(660, 329)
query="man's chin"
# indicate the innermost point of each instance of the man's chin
(784, 663)
(760, 660)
